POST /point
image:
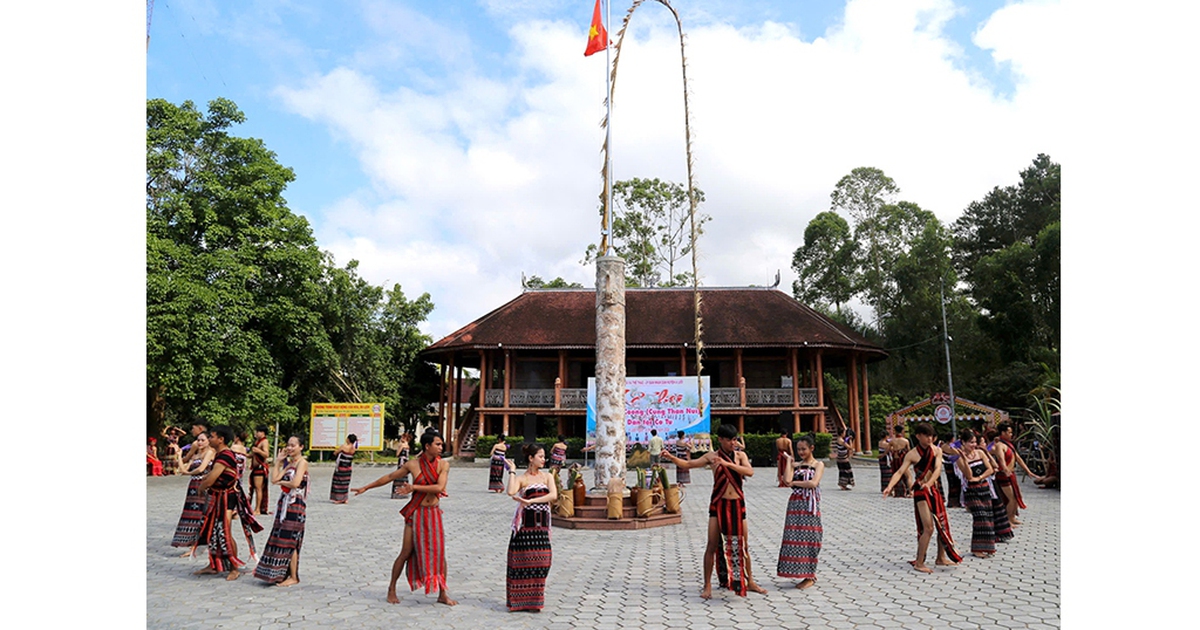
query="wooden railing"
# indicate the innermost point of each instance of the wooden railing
(721, 397)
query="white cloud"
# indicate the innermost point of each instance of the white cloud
(482, 178)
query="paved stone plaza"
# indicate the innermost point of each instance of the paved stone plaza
(607, 580)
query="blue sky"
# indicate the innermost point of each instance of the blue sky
(452, 146)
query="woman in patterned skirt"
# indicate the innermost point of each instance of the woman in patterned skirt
(683, 450)
(339, 488)
(976, 468)
(529, 543)
(885, 461)
(188, 530)
(841, 446)
(496, 473)
(1003, 529)
(802, 531)
(401, 458)
(280, 562)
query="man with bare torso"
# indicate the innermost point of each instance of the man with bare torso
(726, 513)
(424, 548)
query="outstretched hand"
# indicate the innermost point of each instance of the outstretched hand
(358, 491)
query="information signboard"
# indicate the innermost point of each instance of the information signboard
(332, 422)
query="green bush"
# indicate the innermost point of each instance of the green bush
(823, 443)
(760, 448)
(484, 445)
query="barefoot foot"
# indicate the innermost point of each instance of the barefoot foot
(922, 568)
(751, 586)
(445, 599)
(233, 575)
(706, 592)
(391, 598)
(289, 581)
(205, 571)
(806, 583)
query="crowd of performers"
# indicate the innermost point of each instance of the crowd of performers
(980, 476)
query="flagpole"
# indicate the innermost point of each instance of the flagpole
(607, 237)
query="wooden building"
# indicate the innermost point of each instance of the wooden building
(765, 354)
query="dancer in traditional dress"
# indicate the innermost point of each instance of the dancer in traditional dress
(951, 452)
(225, 497)
(975, 468)
(898, 449)
(783, 451)
(280, 561)
(154, 465)
(171, 464)
(683, 450)
(1006, 455)
(402, 450)
(240, 454)
(424, 548)
(496, 472)
(1003, 529)
(802, 531)
(841, 446)
(558, 455)
(188, 529)
(726, 514)
(259, 453)
(529, 543)
(885, 460)
(339, 488)
(928, 505)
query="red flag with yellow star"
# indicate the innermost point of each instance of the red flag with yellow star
(597, 36)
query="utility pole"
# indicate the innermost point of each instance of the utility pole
(949, 372)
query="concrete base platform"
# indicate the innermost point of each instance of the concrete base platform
(593, 515)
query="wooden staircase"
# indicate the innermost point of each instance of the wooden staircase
(833, 421)
(468, 434)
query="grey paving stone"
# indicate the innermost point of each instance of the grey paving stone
(864, 579)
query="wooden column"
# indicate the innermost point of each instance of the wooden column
(852, 387)
(741, 425)
(507, 387)
(441, 396)
(455, 416)
(819, 376)
(683, 361)
(737, 375)
(865, 441)
(795, 389)
(483, 385)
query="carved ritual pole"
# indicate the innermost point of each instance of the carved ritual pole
(610, 370)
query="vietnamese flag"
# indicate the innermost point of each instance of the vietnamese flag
(597, 36)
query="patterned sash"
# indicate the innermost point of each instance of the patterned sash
(731, 523)
(933, 498)
(225, 494)
(1010, 456)
(428, 477)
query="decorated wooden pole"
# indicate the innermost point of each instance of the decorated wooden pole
(610, 370)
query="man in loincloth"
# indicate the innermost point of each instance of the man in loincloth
(726, 514)
(928, 505)
(424, 548)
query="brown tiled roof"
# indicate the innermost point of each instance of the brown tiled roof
(657, 318)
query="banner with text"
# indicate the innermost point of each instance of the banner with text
(332, 422)
(666, 403)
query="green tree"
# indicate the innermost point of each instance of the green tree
(1007, 248)
(650, 230)
(536, 282)
(377, 339)
(233, 323)
(863, 194)
(826, 264)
